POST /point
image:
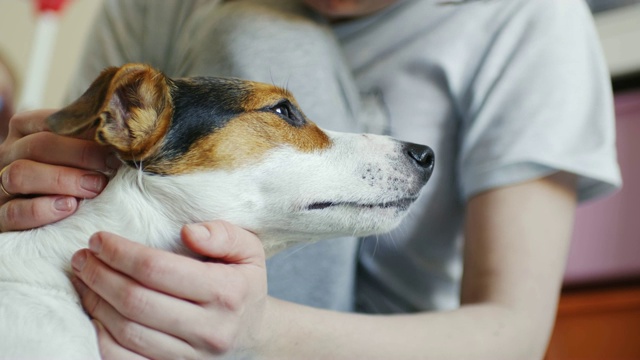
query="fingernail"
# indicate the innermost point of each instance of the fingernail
(112, 162)
(198, 232)
(78, 260)
(95, 244)
(92, 182)
(80, 287)
(64, 204)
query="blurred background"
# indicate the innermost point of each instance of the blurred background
(599, 312)
(17, 30)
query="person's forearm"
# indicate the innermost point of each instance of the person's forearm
(474, 331)
(516, 244)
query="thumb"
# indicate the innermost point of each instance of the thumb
(223, 241)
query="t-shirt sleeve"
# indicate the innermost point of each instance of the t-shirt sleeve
(540, 102)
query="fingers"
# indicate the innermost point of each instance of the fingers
(161, 304)
(120, 337)
(23, 214)
(61, 186)
(224, 241)
(141, 319)
(29, 122)
(165, 272)
(30, 177)
(134, 302)
(178, 275)
(36, 162)
(109, 348)
(82, 154)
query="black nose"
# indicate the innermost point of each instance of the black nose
(422, 156)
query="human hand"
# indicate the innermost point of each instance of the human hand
(160, 305)
(43, 173)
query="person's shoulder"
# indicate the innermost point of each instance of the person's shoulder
(495, 14)
(536, 18)
(546, 11)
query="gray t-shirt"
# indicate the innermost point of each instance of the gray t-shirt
(504, 92)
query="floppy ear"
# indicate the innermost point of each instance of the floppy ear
(130, 106)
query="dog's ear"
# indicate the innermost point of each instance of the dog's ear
(130, 107)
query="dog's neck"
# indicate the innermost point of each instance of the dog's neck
(141, 207)
(132, 205)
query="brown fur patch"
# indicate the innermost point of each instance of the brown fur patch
(248, 137)
(143, 116)
(244, 141)
(132, 105)
(134, 108)
(264, 95)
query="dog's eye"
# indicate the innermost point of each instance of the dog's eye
(288, 112)
(283, 109)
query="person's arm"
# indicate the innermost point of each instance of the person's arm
(517, 239)
(516, 244)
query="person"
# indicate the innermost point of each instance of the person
(514, 98)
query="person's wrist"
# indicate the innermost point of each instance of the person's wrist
(268, 327)
(273, 331)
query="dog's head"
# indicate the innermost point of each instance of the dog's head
(244, 151)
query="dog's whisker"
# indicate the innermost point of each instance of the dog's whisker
(296, 250)
(286, 83)
(394, 242)
(273, 82)
(375, 248)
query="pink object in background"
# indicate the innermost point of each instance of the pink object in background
(606, 241)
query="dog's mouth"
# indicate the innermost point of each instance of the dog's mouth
(401, 204)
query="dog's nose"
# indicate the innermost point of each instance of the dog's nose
(422, 156)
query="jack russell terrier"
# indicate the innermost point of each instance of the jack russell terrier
(197, 149)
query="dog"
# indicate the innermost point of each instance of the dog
(197, 149)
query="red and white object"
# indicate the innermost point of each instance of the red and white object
(37, 72)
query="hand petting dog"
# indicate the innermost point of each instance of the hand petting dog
(217, 304)
(43, 173)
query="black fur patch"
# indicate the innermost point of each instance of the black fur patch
(201, 105)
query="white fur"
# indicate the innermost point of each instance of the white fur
(40, 313)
